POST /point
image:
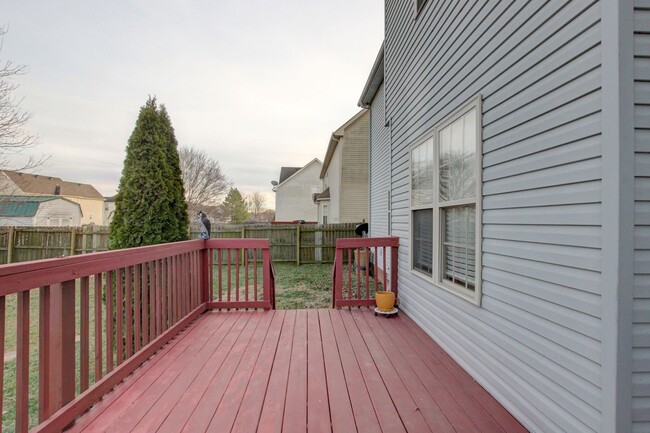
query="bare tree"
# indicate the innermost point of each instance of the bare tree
(256, 202)
(14, 137)
(203, 179)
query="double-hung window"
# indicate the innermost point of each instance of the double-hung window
(445, 203)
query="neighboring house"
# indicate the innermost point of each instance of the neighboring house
(510, 153)
(16, 210)
(90, 200)
(294, 193)
(344, 176)
(109, 209)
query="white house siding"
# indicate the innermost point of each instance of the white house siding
(333, 181)
(379, 166)
(293, 198)
(59, 212)
(379, 173)
(641, 316)
(535, 341)
(354, 171)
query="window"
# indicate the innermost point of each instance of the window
(445, 202)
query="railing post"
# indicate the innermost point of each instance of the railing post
(61, 350)
(393, 270)
(338, 277)
(266, 264)
(205, 274)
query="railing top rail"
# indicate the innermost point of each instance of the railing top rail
(238, 243)
(18, 277)
(367, 242)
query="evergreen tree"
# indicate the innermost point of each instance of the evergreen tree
(235, 207)
(147, 206)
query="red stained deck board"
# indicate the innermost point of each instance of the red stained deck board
(299, 371)
(168, 399)
(121, 397)
(489, 403)
(295, 408)
(178, 416)
(394, 362)
(206, 407)
(339, 399)
(318, 411)
(273, 409)
(251, 406)
(364, 412)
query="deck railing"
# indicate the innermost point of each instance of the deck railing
(84, 323)
(360, 270)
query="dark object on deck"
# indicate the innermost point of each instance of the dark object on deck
(362, 230)
(204, 225)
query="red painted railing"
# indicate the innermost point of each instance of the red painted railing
(242, 274)
(360, 269)
(121, 307)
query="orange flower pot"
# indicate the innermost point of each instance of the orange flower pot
(385, 300)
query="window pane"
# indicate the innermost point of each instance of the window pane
(423, 240)
(457, 169)
(422, 174)
(458, 249)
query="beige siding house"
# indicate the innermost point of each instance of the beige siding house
(88, 198)
(344, 176)
(295, 192)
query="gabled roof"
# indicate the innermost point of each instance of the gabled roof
(287, 172)
(325, 195)
(25, 205)
(36, 184)
(374, 81)
(334, 141)
(295, 173)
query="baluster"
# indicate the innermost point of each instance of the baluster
(137, 319)
(109, 321)
(145, 305)
(119, 332)
(98, 328)
(22, 362)
(129, 312)
(237, 275)
(84, 346)
(255, 274)
(2, 357)
(43, 352)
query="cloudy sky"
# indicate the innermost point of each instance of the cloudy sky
(256, 84)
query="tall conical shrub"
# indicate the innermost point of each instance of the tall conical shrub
(148, 209)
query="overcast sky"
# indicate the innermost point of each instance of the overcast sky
(256, 84)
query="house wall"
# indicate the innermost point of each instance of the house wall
(379, 176)
(92, 209)
(293, 198)
(59, 212)
(534, 343)
(354, 171)
(641, 306)
(333, 181)
(17, 221)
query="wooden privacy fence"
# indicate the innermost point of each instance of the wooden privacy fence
(23, 244)
(360, 270)
(122, 306)
(295, 243)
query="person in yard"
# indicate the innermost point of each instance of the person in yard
(204, 225)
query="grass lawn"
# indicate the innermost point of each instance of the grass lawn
(304, 286)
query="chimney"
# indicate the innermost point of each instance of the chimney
(57, 190)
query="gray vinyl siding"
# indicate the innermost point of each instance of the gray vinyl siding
(379, 166)
(534, 343)
(354, 171)
(641, 315)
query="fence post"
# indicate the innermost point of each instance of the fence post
(298, 244)
(10, 245)
(73, 240)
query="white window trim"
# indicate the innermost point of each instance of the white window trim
(435, 279)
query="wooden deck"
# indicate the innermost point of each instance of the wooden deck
(299, 371)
